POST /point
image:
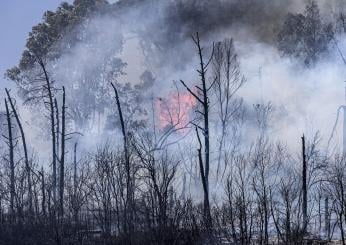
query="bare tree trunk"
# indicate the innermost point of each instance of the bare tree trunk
(204, 101)
(26, 158)
(304, 188)
(57, 130)
(228, 80)
(288, 223)
(129, 190)
(204, 183)
(341, 228)
(75, 168)
(266, 216)
(57, 147)
(75, 210)
(11, 155)
(275, 220)
(43, 190)
(229, 187)
(326, 218)
(62, 158)
(53, 132)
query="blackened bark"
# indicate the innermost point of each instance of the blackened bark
(48, 87)
(75, 210)
(129, 191)
(203, 99)
(43, 190)
(57, 130)
(62, 158)
(26, 157)
(304, 188)
(11, 158)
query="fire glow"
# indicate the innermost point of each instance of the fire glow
(175, 110)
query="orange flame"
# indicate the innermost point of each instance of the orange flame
(175, 110)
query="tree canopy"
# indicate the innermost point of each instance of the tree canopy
(305, 36)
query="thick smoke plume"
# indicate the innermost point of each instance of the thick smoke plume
(155, 36)
(304, 100)
(146, 130)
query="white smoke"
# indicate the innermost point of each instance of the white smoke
(304, 100)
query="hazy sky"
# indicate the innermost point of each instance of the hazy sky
(16, 20)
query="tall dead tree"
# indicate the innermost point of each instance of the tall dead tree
(75, 168)
(304, 187)
(62, 158)
(11, 158)
(50, 96)
(75, 211)
(26, 157)
(129, 191)
(228, 80)
(202, 97)
(57, 130)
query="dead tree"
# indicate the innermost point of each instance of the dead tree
(75, 185)
(304, 188)
(43, 192)
(129, 184)
(159, 172)
(260, 185)
(60, 237)
(57, 130)
(262, 161)
(102, 187)
(11, 158)
(49, 89)
(26, 157)
(62, 158)
(75, 172)
(337, 180)
(203, 99)
(240, 208)
(228, 80)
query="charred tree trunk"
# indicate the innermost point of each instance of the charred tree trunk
(340, 219)
(11, 159)
(26, 157)
(203, 99)
(129, 190)
(57, 141)
(62, 158)
(206, 209)
(304, 188)
(57, 130)
(43, 190)
(75, 210)
(48, 87)
(266, 216)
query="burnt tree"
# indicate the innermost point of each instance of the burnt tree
(128, 212)
(62, 158)
(49, 90)
(202, 96)
(304, 187)
(9, 138)
(26, 157)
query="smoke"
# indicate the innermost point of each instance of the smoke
(304, 100)
(155, 35)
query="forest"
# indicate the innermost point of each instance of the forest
(177, 122)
